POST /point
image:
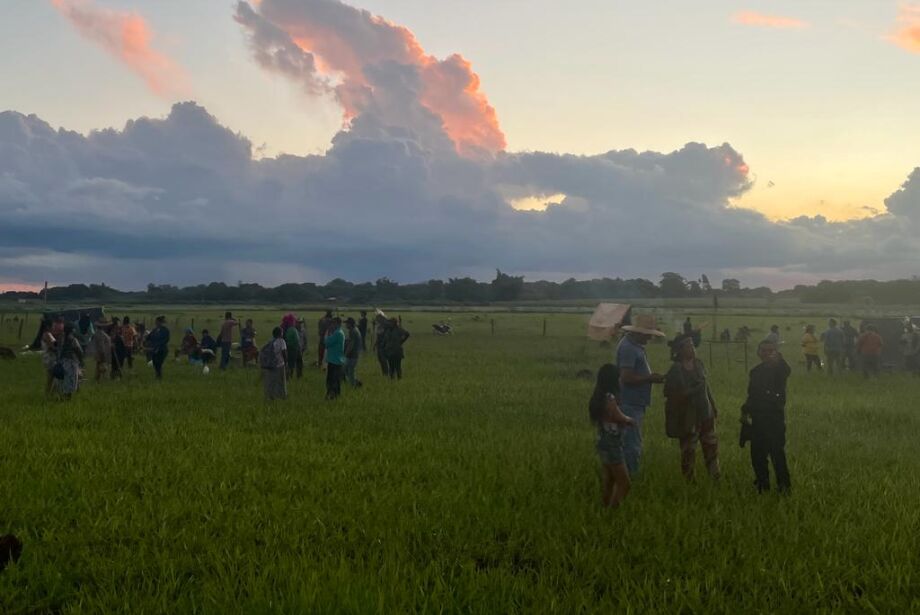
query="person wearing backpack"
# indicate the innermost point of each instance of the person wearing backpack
(274, 369)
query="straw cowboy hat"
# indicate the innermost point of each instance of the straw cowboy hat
(644, 323)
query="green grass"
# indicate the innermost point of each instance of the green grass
(471, 485)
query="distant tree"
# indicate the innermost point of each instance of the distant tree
(465, 289)
(694, 288)
(731, 286)
(672, 285)
(506, 287)
(704, 284)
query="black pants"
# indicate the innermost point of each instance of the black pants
(384, 363)
(870, 365)
(812, 359)
(333, 380)
(294, 364)
(159, 356)
(768, 443)
(395, 364)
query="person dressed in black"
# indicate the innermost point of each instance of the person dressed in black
(393, 341)
(158, 345)
(764, 416)
(362, 329)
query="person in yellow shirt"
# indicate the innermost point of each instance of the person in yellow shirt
(810, 348)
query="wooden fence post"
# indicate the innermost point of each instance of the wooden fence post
(21, 323)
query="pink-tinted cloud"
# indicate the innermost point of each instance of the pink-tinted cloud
(127, 37)
(752, 18)
(341, 47)
(907, 35)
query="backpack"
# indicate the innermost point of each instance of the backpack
(267, 356)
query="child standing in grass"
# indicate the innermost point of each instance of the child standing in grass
(605, 413)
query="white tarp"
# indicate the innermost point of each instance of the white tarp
(606, 320)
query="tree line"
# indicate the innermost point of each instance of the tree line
(502, 288)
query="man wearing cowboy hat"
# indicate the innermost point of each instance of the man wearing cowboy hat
(636, 380)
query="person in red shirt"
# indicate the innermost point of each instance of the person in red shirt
(869, 346)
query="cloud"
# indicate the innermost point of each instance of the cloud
(127, 38)
(907, 34)
(181, 199)
(368, 64)
(753, 18)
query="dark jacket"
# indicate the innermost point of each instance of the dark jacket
(393, 340)
(767, 389)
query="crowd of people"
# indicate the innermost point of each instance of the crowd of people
(848, 348)
(623, 393)
(69, 348)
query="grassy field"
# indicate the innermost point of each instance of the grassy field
(470, 486)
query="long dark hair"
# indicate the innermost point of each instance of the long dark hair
(608, 382)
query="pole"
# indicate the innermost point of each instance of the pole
(492, 321)
(544, 327)
(745, 355)
(21, 323)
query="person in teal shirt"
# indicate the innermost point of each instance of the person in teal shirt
(294, 352)
(335, 358)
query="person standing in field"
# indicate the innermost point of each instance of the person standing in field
(118, 346)
(302, 338)
(380, 333)
(158, 345)
(101, 345)
(834, 346)
(773, 336)
(810, 348)
(362, 329)
(849, 345)
(225, 338)
(49, 353)
(292, 341)
(274, 371)
(764, 414)
(393, 340)
(334, 342)
(70, 355)
(910, 342)
(322, 329)
(690, 410)
(85, 330)
(610, 421)
(248, 343)
(353, 343)
(636, 380)
(129, 337)
(869, 346)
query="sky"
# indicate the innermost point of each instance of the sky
(794, 123)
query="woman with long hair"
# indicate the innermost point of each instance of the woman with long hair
(610, 421)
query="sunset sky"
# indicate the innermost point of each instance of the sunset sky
(818, 102)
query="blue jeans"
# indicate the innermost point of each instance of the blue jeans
(632, 437)
(225, 354)
(351, 366)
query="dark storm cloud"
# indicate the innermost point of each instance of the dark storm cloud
(181, 200)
